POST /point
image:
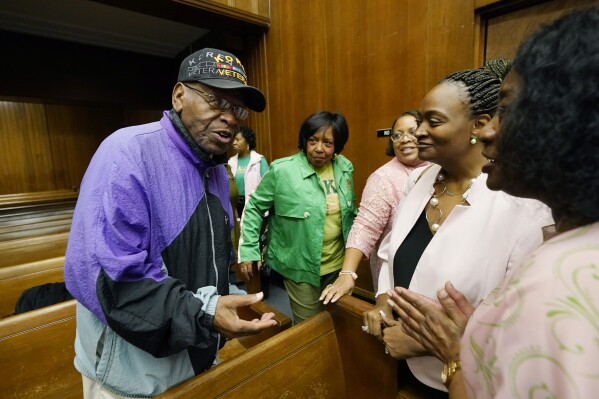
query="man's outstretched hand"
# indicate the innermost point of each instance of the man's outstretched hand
(228, 323)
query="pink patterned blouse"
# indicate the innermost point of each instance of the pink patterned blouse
(538, 334)
(384, 188)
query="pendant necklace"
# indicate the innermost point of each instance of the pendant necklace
(434, 201)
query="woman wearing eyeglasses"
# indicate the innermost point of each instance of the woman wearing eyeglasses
(449, 225)
(311, 200)
(380, 197)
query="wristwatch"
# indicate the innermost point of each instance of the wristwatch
(449, 370)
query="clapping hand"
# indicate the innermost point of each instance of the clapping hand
(438, 327)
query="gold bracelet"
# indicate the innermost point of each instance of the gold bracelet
(449, 370)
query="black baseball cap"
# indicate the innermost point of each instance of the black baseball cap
(222, 70)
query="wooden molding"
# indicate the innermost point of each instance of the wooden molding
(484, 3)
(228, 11)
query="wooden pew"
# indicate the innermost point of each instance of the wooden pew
(35, 225)
(35, 199)
(16, 279)
(327, 356)
(32, 249)
(37, 351)
(236, 346)
(36, 354)
(36, 214)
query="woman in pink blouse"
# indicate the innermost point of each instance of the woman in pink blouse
(537, 334)
(383, 190)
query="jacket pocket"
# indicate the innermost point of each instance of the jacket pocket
(293, 207)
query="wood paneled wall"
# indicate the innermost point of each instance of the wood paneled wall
(369, 60)
(505, 32)
(62, 99)
(47, 147)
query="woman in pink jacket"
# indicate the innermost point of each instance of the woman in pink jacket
(380, 197)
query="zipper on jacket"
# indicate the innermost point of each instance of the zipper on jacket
(205, 183)
(205, 176)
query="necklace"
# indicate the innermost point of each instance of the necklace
(434, 201)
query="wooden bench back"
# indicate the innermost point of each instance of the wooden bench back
(369, 372)
(37, 351)
(16, 279)
(36, 354)
(327, 356)
(302, 362)
(36, 214)
(35, 226)
(33, 249)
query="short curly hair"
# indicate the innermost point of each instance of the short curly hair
(323, 120)
(479, 88)
(389, 151)
(548, 145)
(249, 136)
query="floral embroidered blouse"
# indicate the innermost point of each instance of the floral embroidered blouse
(380, 197)
(538, 334)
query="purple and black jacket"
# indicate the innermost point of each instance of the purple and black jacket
(149, 248)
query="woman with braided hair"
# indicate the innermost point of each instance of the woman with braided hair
(449, 225)
(536, 334)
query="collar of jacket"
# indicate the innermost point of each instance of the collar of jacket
(200, 154)
(306, 170)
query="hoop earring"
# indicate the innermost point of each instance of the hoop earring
(473, 139)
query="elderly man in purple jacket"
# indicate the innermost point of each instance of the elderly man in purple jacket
(149, 248)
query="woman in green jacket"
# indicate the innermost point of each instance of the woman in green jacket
(311, 202)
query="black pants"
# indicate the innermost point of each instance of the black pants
(240, 204)
(404, 375)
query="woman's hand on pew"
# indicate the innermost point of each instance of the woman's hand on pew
(373, 319)
(436, 326)
(228, 323)
(343, 285)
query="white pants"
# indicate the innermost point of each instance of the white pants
(93, 390)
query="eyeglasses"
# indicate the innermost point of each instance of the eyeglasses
(220, 104)
(399, 135)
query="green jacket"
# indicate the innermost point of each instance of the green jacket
(292, 193)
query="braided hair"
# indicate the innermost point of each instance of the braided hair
(479, 88)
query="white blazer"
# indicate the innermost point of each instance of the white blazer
(475, 247)
(252, 175)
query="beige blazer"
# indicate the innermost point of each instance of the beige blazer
(475, 247)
